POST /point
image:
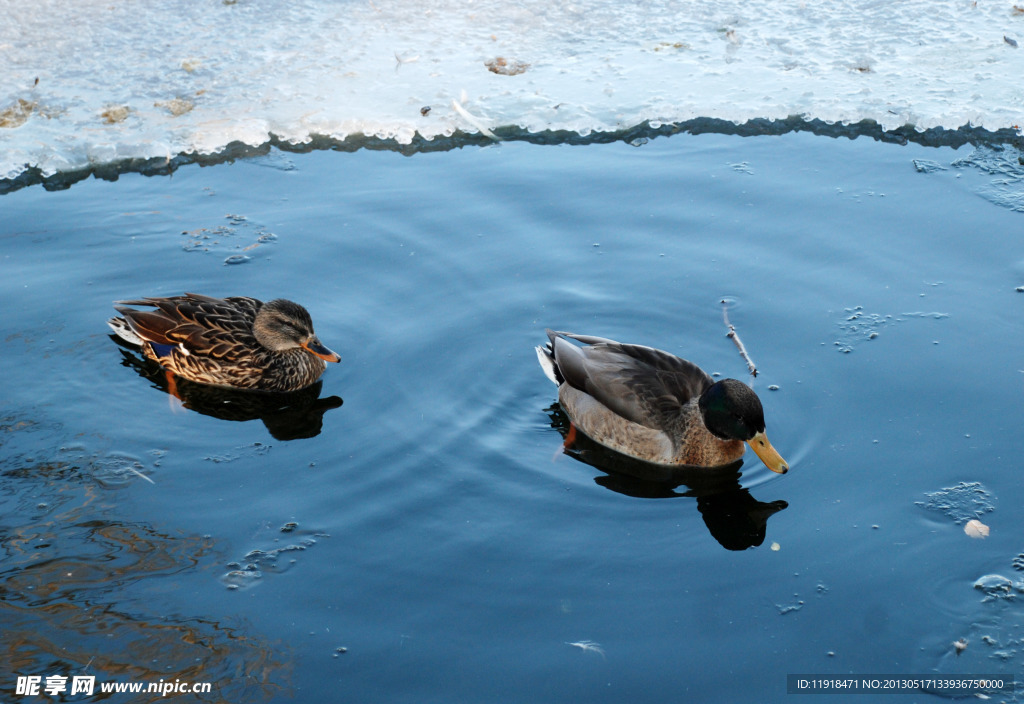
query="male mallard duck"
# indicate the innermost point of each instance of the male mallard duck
(239, 342)
(654, 406)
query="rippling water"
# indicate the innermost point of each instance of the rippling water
(423, 517)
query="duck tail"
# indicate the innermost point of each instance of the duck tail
(546, 357)
(123, 330)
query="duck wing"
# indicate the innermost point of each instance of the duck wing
(199, 324)
(642, 384)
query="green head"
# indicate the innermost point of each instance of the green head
(732, 411)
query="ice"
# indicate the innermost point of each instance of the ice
(90, 83)
(963, 502)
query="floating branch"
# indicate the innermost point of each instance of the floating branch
(736, 338)
(141, 475)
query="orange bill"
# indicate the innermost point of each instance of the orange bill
(771, 458)
(314, 347)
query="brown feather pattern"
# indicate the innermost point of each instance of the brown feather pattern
(211, 341)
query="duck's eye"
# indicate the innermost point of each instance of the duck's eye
(287, 328)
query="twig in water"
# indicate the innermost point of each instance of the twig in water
(736, 338)
(141, 475)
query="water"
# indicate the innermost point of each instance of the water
(433, 529)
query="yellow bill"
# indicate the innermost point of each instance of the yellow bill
(771, 458)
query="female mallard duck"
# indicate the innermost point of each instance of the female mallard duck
(239, 342)
(654, 406)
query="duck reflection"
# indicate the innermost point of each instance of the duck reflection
(293, 415)
(732, 515)
(81, 595)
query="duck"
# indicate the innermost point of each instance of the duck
(237, 342)
(654, 406)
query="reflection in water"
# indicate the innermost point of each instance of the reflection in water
(80, 594)
(288, 416)
(734, 518)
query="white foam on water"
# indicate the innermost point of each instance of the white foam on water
(123, 80)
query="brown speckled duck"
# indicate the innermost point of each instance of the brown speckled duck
(239, 342)
(654, 406)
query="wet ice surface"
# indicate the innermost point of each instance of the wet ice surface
(963, 502)
(91, 83)
(1006, 168)
(858, 325)
(273, 560)
(429, 534)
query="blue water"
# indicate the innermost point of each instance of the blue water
(444, 540)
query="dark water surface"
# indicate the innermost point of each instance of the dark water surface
(432, 526)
